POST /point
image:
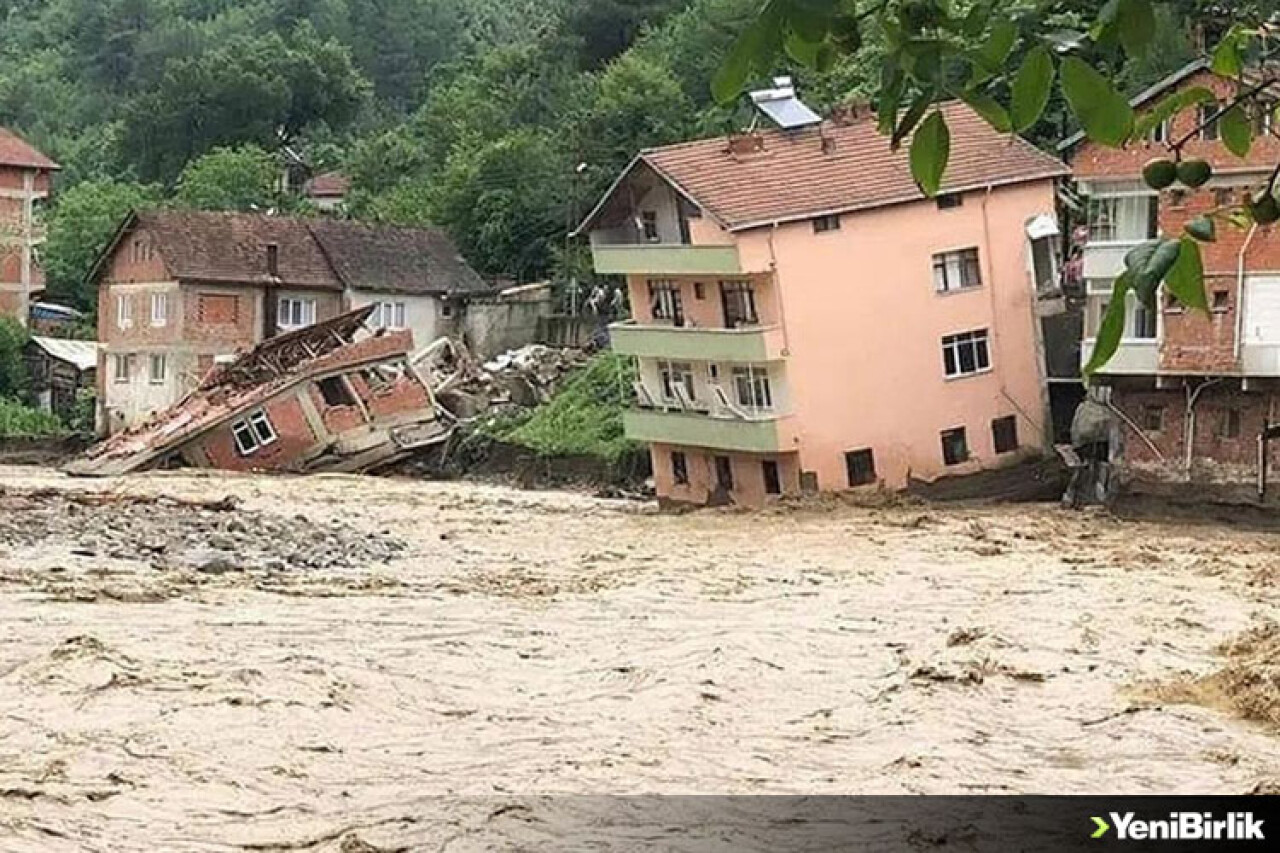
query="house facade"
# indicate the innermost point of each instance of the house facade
(179, 291)
(25, 178)
(805, 320)
(1193, 392)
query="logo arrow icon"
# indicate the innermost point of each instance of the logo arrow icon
(1103, 826)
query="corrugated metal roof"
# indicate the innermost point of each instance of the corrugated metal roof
(82, 354)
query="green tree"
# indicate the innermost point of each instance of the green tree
(84, 220)
(13, 368)
(244, 178)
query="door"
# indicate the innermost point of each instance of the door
(772, 482)
(724, 473)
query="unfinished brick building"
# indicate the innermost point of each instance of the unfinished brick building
(328, 397)
(25, 176)
(1194, 392)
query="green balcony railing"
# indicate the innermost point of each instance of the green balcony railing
(775, 435)
(666, 259)
(647, 340)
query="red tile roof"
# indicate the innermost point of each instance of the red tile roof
(329, 184)
(796, 177)
(16, 151)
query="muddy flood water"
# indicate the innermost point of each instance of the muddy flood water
(265, 663)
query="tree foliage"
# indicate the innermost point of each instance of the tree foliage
(244, 178)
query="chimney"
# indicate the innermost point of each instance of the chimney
(273, 260)
(745, 143)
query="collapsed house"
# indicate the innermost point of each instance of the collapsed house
(328, 397)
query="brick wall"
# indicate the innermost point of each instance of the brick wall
(294, 437)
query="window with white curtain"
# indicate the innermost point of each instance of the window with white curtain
(1127, 218)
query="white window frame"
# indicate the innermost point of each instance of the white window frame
(672, 373)
(649, 230)
(1103, 217)
(977, 342)
(252, 433)
(159, 309)
(158, 377)
(957, 270)
(295, 312)
(752, 389)
(124, 310)
(122, 367)
(389, 315)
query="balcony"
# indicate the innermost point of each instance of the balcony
(760, 434)
(666, 259)
(1260, 359)
(1132, 357)
(650, 340)
(1106, 260)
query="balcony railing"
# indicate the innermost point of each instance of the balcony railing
(666, 259)
(1106, 260)
(760, 433)
(1132, 357)
(687, 343)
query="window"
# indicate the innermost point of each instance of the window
(1044, 263)
(772, 478)
(1153, 418)
(1263, 117)
(649, 225)
(159, 369)
(446, 309)
(387, 315)
(724, 473)
(296, 313)
(124, 311)
(949, 201)
(665, 302)
(861, 465)
(955, 446)
(1144, 322)
(1177, 198)
(1122, 219)
(1004, 434)
(751, 384)
(1223, 196)
(739, 301)
(1160, 133)
(713, 371)
(1229, 424)
(253, 433)
(335, 392)
(699, 291)
(679, 468)
(673, 373)
(159, 309)
(965, 354)
(122, 365)
(823, 224)
(1221, 300)
(956, 270)
(1206, 112)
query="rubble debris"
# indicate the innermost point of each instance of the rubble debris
(172, 533)
(330, 397)
(523, 378)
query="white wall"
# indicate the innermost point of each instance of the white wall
(422, 313)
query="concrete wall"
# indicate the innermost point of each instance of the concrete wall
(864, 327)
(494, 325)
(422, 313)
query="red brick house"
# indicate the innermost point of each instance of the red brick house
(25, 177)
(1194, 392)
(181, 290)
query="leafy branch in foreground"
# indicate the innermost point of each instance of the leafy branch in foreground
(1003, 62)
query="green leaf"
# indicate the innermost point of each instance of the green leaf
(911, 118)
(1031, 88)
(930, 150)
(803, 52)
(808, 20)
(754, 49)
(1147, 264)
(1185, 279)
(1203, 228)
(997, 46)
(892, 83)
(1107, 341)
(989, 108)
(1236, 130)
(1228, 58)
(1104, 113)
(1136, 23)
(976, 20)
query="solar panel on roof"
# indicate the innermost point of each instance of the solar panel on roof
(782, 106)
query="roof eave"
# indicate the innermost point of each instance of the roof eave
(1146, 95)
(751, 225)
(642, 157)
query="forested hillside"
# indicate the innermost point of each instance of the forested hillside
(470, 114)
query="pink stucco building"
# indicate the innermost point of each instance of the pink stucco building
(805, 319)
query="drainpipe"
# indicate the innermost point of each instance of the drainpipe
(1240, 291)
(1189, 437)
(777, 292)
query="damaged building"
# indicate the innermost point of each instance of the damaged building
(179, 291)
(330, 397)
(1192, 392)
